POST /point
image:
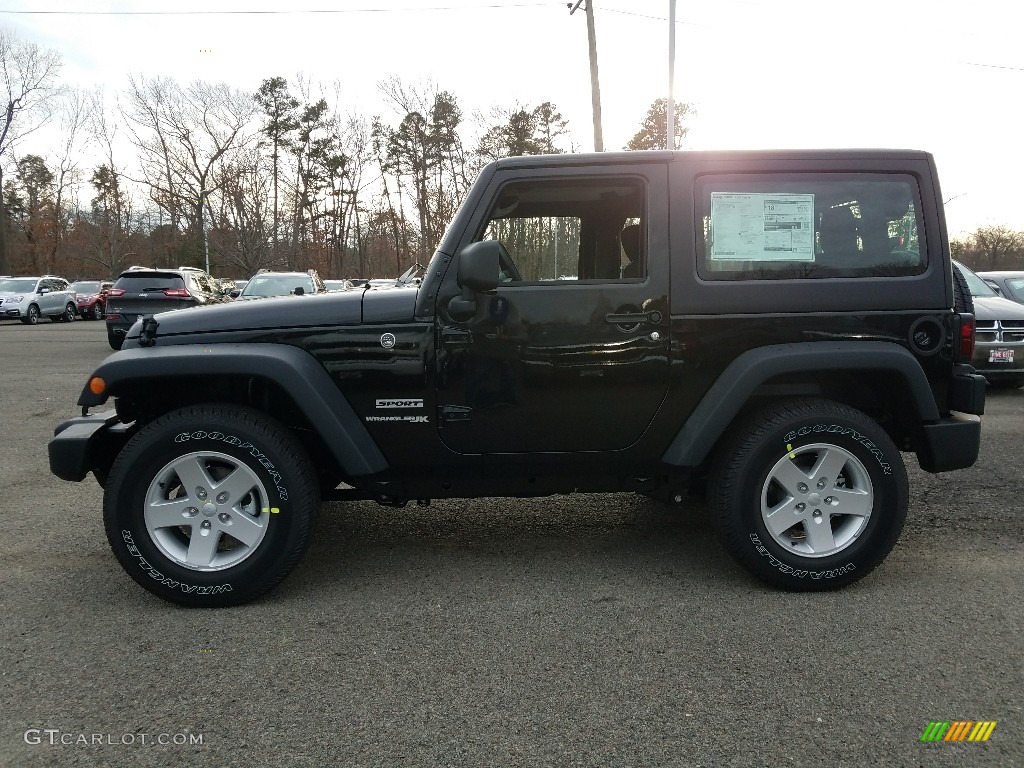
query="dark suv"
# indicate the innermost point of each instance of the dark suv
(142, 291)
(776, 329)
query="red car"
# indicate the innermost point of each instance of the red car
(92, 298)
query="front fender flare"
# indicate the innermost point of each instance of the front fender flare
(293, 369)
(741, 378)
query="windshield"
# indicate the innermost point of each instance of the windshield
(977, 286)
(85, 286)
(277, 285)
(1016, 288)
(15, 285)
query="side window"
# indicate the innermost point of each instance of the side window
(579, 229)
(779, 226)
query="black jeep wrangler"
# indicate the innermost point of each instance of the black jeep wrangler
(773, 328)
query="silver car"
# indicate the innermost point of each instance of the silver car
(29, 298)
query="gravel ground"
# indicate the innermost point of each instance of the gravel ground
(585, 630)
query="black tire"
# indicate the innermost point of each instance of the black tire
(32, 316)
(268, 499)
(863, 501)
(114, 340)
(70, 313)
(97, 311)
(963, 301)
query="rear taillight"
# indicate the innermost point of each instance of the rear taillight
(177, 293)
(116, 292)
(113, 317)
(966, 337)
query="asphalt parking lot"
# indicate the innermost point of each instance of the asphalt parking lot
(570, 631)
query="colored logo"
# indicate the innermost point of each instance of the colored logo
(958, 730)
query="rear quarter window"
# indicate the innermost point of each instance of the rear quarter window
(808, 225)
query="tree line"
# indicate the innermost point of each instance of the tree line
(165, 173)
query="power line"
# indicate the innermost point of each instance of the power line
(551, 4)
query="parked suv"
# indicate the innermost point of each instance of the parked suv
(91, 296)
(141, 291)
(777, 328)
(29, 298)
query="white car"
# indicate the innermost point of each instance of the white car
(29, 298)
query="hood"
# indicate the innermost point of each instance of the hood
(392, 304)
(997, 308)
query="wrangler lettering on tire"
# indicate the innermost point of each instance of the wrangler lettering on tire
(808, 494)
(199, 515)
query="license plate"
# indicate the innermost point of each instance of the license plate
(1000, 356)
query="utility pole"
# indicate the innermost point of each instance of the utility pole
(670, 109)
(202, 219)
(595, 88)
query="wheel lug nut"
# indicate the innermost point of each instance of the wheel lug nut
(222, 497)
(802, 487)
(801, 507)
(201, 493)
(816, 513)
(822, 483)
(225, 518)
(829, 500)
(206, 525)
(191, 512)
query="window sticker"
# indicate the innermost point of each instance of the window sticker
(762, 226)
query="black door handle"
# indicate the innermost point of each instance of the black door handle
(634, 318)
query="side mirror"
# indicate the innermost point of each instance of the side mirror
(235, 293)
(477, 273)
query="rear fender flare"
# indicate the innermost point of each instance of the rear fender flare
(741, 378)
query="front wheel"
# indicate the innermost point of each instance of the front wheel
(210, 505)
(70, 313)
(31, 316)
(809, 495)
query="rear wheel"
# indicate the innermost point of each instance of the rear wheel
(809, 495)
(115, 340)
(210, 505)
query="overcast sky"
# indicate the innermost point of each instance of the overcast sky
(938, 75)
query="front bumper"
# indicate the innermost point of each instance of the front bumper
(86, 444)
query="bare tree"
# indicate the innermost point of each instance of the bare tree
(29, 78)
(183, 134)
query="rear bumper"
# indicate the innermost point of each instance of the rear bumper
(86, 444)
(951, 443)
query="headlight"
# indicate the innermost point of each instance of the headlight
(13, 299)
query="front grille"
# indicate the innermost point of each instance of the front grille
(999, 331)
